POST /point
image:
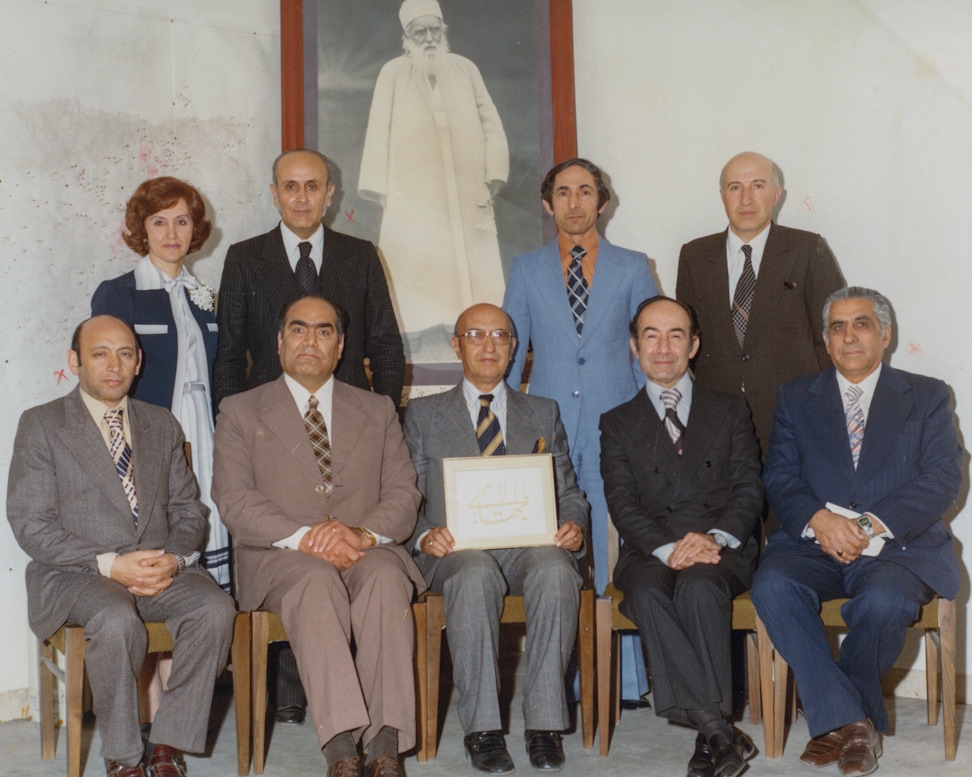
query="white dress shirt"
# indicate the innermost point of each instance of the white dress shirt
(737, 259)
(292, 242)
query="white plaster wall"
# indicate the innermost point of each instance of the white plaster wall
(95, 97)
(864, 104)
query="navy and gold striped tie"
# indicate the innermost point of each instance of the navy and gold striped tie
(488, 430)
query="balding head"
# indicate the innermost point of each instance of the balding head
(483, 340)
(750, 186)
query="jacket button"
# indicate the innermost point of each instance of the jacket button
(908, 535)
(853, 504)
(708, 464)
(581, 361)
(705, 505)
(745, 357)
(668, 509)
(319, 489)
(657, 471)
(575, 394)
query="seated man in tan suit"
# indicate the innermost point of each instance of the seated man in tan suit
(314, 480)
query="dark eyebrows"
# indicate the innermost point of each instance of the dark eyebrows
(319, 325)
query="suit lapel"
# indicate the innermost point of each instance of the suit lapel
(522, 429)
(716, 281)
(650, 431)
(280, 414)
(147, 465)
(890, 406)
(604, 291)
(704, 420)
(454, 424)
(826, 418)
(276, 278)
(775, 268)
(347, 415)
(553, 290)
(82, 437)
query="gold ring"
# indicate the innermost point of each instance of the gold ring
(334, 528)
(840, 553)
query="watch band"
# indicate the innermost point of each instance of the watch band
(369, 536)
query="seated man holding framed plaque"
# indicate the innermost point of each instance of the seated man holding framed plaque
(483, 417)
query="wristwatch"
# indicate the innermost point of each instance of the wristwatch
(865, 523)
(368, 535)
(181, 561)
(720, 540)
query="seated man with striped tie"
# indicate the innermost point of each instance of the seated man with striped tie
(681, 477)
(101, 498)
(863, 461)
(483, 416)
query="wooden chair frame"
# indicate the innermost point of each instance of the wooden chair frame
(69, 640)
(937, 619)
(429, 671)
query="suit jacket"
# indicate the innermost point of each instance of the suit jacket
(586, 375)
(150, 312)
(784, 338)
(656, 496)
(65, 501)
(439, 427)
(258, 281)
(267, 485)
(908, 474)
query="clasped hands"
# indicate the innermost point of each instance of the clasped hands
(144, 572)
(694, 548)
(840, 537)
(439, 542)
(335, 543)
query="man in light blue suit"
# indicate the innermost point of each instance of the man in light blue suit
(579, 359)
(572, 301)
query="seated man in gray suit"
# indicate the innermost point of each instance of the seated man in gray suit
(681, 476)
(482, 416)
(101, 498)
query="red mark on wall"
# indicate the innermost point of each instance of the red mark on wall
(145, 152)
(914, 349)
(807, 204)
(59, 374)
(350, 215)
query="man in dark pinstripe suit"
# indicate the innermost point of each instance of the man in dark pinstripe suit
(301, 256)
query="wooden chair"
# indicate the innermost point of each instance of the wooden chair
(265, 627)
(937, 619)
(69, 640)
(610, 621)
(513, 612)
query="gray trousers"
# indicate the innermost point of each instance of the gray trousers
(198, 614)
(473, 583)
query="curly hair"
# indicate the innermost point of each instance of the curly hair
(159, 194)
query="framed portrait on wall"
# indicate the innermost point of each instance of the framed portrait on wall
(439, 118)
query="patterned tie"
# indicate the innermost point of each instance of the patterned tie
(306, 271)
(854, 415)
(121, 454)
(488, 430)
(317, 433)
(577, 290)
(676, 429)
(742, 300)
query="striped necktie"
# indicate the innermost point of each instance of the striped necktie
(742, 299)
(854, 415)
(121, 454)
(577, 291)
(320, 442)
(674, 425)
(305, 270)
(488, 431)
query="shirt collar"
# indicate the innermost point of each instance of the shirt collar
(97, 408)
(867, 386)
(684, 386)
(291, 240)
(758, 243)
(589, 244)
(301, 395)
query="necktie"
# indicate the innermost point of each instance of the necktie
(675, 427)
(488, 430)
(742, 299)
(321, 442)
(306, 271)
(854, 415)
(577, 290)
(121, 454)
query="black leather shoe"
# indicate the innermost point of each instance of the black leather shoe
(726, 760)
(701, 763)
(635, 705)
(743, 744)
(291, 714)
(487, 752)
(546, 750)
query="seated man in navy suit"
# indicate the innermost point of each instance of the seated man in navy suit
(863, 461)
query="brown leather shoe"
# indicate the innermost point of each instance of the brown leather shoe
(349, 767)
(167, 762)
(861, 749)
(116, 769)
(384, 765)
(823, 750)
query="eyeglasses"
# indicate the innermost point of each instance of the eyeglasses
(478, 336)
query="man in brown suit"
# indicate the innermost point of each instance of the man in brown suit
(758, 289)
(314, 481)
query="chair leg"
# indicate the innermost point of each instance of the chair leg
(435, 616)
(420, 622)
(241, 691)
(259, 641)
(602, 625)
(946, 630)
(74, 676)
(585, 660)
(932, 683)
(752, 679)
(766, 683)
(45, 650)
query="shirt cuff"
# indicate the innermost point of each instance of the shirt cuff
(662, 553)
(887, 531)
(382, 540)
(733, 542)
(293, 541)
(105, 560)
(418, 541)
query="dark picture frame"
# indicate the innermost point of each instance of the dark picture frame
(331, 52)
